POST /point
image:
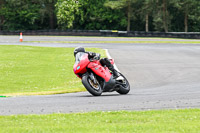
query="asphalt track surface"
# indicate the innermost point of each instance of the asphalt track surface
(162, 76)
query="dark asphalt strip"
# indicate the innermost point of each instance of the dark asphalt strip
(162, 76)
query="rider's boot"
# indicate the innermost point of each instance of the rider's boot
(106, 61)
(111, 68)
(115, 73)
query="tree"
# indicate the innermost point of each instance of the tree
(47, 11)
(194, 17)
(138, 15)
(188, 8)
(147, 10)
(66, 11)
(162, 15)
(20, 15)
(2, 18)
(95, 16)
(119, 4)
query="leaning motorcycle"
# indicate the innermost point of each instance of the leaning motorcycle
(97, 78)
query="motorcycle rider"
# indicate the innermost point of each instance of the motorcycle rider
(103, 61)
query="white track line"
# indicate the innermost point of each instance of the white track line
(109, 57)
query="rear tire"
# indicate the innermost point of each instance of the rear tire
(125, 88)
(94, 89)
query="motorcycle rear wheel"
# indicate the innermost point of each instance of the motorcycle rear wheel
(124, 86)
(93, 88)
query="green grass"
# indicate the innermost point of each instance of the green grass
(163, 38)
(26, 70)
(164, 121)
(121, 42)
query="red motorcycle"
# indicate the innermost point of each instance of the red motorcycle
(97, 78)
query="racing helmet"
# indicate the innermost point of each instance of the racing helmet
(78, 49)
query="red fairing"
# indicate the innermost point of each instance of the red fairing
(80, 67)
(112, 61)
(99, 70)
(82, 63)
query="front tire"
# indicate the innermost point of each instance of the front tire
(94, 89)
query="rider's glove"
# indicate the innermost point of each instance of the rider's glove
(91, 54)
(97, 56)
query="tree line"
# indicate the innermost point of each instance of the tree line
(130, 15)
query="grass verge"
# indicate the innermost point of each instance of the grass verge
(164, 121)
(121, 42)
(29, 70)
(152, 38)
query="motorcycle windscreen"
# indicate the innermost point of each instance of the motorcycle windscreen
(78, 57)
(81, 62)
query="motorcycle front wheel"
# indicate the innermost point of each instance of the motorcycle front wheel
(93, 88)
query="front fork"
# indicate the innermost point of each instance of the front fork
(91, 75)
